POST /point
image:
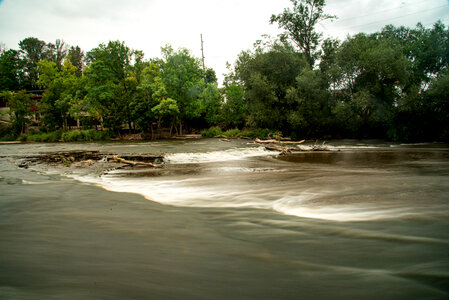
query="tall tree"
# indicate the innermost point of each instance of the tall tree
(267, 74)
(32, 51)
(56, 52)
(60, 86)
(111, 84)
(9, 70)
(76, 57)
(182, 73)
(300, 23)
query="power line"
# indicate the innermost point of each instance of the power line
(384, 20)
(379, 12)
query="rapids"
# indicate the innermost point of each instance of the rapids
(228, 220)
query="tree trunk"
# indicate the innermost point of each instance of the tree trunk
(159, 129)
(171, 127)
(180, 127)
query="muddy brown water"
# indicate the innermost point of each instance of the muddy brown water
(228, 220)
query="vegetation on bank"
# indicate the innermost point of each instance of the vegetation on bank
(68, 136)
(216, 131)
(390, 84)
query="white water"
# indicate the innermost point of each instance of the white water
(217, 156)
(254, 178)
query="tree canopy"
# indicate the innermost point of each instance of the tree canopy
(388, 84)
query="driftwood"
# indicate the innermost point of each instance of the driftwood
(257, 140)
(292, 142)
(188, 136)
(87, 158)
(133, 163)
(282, 149)
(272, 141)
(285, 149)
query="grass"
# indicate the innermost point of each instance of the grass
(236, 133)
(68, 136)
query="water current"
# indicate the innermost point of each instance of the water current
(228, 220)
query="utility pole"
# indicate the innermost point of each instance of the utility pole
(202, 53)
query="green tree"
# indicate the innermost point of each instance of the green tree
(373, 75)
(111, 84)
(234, 108)
(212, 104)
(165, 107)
(32, 51)
(142, 104)
(309, 115)
(20, 109)
(56, 52)
(181, 74)
(267, 74)
(76, 57)
(300, 23)
(9, 70)
(60, 86)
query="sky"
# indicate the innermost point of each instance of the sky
(228, 27)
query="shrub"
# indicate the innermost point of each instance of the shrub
(232, 133)
(8, 137)
(211, 132)
(6, 134)
(72, 136)
(254, 133)
(85, 135)
(54, 136)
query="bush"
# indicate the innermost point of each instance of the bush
(254, 133)
(211, 132)
(85, 135)
(8, 137)
(6, 134)
(232, 133)
(72, 136)
(69, 136)
(54, 136)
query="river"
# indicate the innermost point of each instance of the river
(228, 220)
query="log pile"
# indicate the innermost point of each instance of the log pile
(281, 146)
(90, 157)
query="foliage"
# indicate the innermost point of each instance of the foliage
(389, 84)
(20, 110)
(109, 84)
(85, 135)
(300, 23)
(211, 132)
(182, 75)
(10, 65)
(267, 75)
(232, 133)
(234, 109)
(60, 85)
(54, 136)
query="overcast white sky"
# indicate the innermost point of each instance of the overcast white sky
(228, 26)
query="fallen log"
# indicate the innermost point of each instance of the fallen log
(292, 142)
(282, 149)
(133, 163)
(272, 141)
(257, 140)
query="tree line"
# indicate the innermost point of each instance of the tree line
(390, 84)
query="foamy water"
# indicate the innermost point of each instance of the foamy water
(254, 178)
(217, 156)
